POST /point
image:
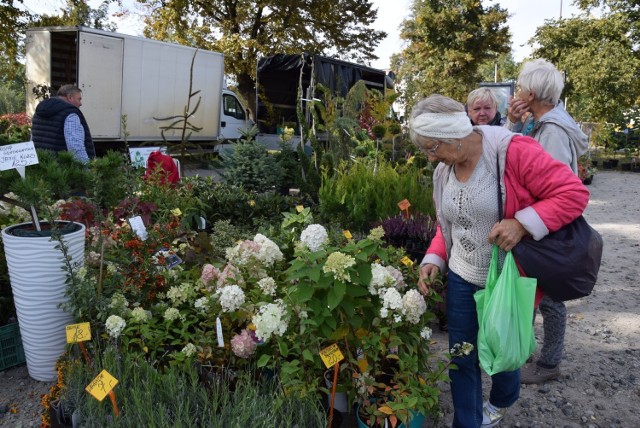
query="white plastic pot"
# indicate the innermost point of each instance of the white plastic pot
(38, 282)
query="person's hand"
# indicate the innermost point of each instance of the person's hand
(507, 234)
(516, 108)
(428, 274)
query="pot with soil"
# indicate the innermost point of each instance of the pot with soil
(38, 282)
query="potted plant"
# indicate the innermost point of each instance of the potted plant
(586, 170)
(413, 233)
(35, 257)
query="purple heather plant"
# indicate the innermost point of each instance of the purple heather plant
(418, 227)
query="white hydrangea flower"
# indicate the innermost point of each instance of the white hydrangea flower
(380, 278)
(268, 286)
(314, 236)
(231, 297)
(111, 268)
(271, 319)
(115, 325)
(172, 314)
(140, 315)
(202, 304)
(81, 273)
(243, 253)
(337, 264)
(376, 234)
(175, 295)
(397, 277)
(426, 333)
(118, 302)
(269, 252)
(413, 306)
(189, 349)
(181, 294)
(391, 299)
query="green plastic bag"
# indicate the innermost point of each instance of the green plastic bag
(505, 317)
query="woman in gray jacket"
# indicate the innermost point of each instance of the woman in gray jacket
(540, 85)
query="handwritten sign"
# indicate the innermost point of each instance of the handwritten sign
(17, 155)
(331, 355)
(404, 204)
(219, 333)
(137, 225)
(78, 332)
(347, 234)
(102, 385)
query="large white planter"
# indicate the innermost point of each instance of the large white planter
(38, 282)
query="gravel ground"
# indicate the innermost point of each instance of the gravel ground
(599, 386)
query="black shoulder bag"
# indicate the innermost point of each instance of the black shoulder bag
(565, 262)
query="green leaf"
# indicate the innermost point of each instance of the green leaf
(364, 273)
(284, 350)
(336, 294)
(303, 293)
(263, 360)
(307, 355)
(340, 333)
(314, 274)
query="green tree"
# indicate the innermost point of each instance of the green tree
(78, 12)
(246, 29)
(508, 69)
(600, 62)
(13, 20)
(629, 9)
(12, 95)
(447, 42)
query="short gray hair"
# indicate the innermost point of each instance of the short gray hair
(435, 103)
(66, 90)
(543, 79)
(482, 94)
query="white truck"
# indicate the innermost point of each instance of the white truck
(141, 78)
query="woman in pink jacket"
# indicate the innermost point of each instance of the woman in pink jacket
(540, 195)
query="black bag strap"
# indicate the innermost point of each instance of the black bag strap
(499, 190)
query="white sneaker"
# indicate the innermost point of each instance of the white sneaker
(491, 415)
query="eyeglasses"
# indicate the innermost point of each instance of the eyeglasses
(432, 150)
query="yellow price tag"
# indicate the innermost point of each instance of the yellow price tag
(299, 208)
(347, 234)
(363, 364)
(78, 332)
(102, 385)
(407, 261)
(331, 355)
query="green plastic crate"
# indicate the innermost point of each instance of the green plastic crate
(11, 352)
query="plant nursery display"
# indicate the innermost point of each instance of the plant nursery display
(222, 310)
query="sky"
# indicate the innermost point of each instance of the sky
(526, 16)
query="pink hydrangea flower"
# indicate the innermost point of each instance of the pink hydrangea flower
(209, 273)
(243, 344)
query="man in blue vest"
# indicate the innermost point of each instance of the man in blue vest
(58, 124)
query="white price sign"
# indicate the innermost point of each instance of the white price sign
(17, 155)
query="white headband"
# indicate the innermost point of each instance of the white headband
(442, 125)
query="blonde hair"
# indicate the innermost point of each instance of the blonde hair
(482, 94)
